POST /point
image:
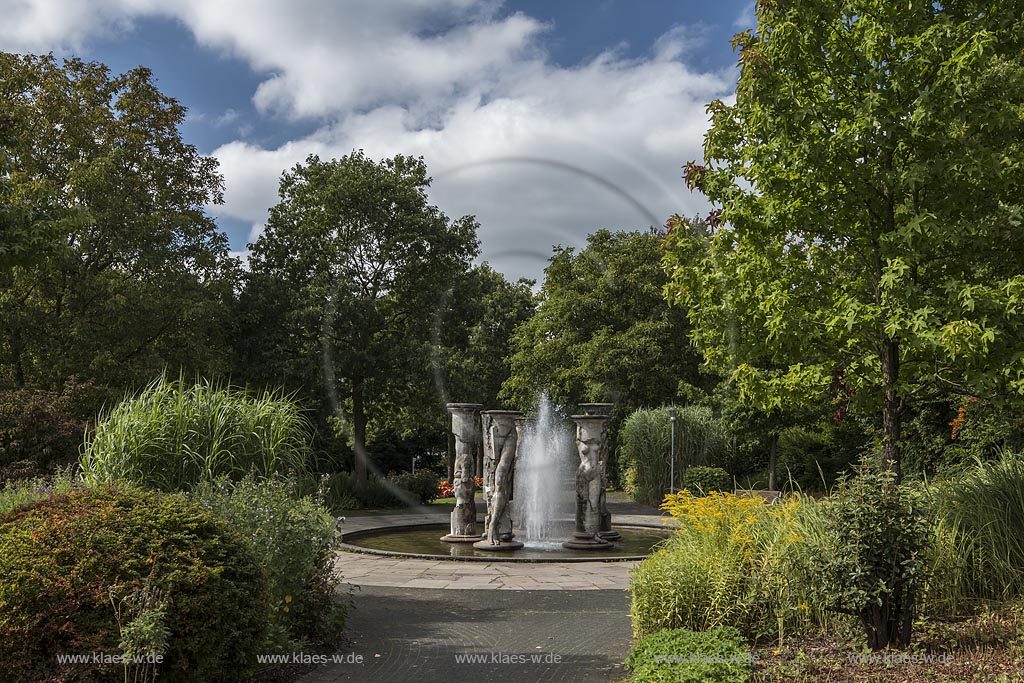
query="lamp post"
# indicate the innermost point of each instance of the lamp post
(672, 481)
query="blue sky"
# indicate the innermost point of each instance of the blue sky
(546, 120)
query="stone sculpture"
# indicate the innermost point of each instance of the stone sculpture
(606, 531)
(501, 441)
(465, 420)
(591, 433)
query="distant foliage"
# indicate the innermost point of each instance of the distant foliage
(423, 485)
(67, 563)
(702, 480)
(173, 436)
(645, 448)
(341, 493)
(681, 656)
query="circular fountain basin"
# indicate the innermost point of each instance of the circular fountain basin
(422, 541)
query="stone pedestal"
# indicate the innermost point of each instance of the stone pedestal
(500, 449)
(604, 409)
(591, 432)
(465, 427)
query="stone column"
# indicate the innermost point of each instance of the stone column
(465, 420)
(500, 447)
(606, 517)
(591, 432)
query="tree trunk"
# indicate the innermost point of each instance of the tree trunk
(359, 435)
(19, 366)
(772, 461)
(890, 358)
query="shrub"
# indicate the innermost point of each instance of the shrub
(73, 564)
(423, 485)
(645, 446)
(702, 480)
(734, 561)
(682, 656)
(294, 539)
(41, 430)
(341, 493)
(875, 568)
(173, 436)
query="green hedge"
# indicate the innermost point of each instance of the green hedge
(179, 580)
(422, 485)
(701, 480)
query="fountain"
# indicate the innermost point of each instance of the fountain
(536, 486)
(543, 503)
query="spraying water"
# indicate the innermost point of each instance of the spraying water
(543, 485)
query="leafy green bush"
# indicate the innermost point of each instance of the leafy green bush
(73, 565)
(294, 538)
(422, 485)
(645, 447)
(341, 493)
(173, 436)
(682, 656)
(876, 566)
(701, 480)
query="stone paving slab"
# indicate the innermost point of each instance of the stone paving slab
(374, 570)
(425, 635)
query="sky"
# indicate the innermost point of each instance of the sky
(547, 120)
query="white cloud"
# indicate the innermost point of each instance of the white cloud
(230, 115)
(541, 154)
(747, 18)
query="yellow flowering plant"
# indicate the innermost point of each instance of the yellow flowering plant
(734, 561)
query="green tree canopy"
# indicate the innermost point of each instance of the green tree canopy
(868, 181)
(346, 283)
(602, 330)
(109, 267)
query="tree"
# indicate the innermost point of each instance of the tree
(345, 284)
(109, 269)
(602, 330)
(868, 239)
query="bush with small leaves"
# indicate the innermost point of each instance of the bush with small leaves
(703, 480)
(681, 656)
(68, 562)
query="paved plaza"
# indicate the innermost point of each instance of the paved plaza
(434, 620)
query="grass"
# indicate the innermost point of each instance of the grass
(15, 494)
(978, 550)
(646, 442)
(173, 436)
